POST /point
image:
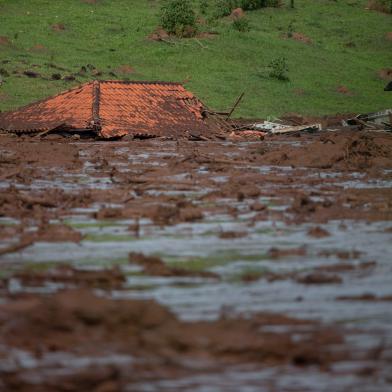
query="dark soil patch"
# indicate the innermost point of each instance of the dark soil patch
(343, 90)
(237, 13)
(69, 78)
(154, 266)
(319, 278)
(125, 70)
(385, 74)
(277, 253)
(229, 235)
(56, 233)
(31, 74)
(3, 97)
(346, 267)
(171, 214)
(67, 275)
(258, 206)
(58, 27)
(4, 41)
(318, 232)
(350, 44)
(301, 38)
(364, 297)
(39, 48)
(299, 92)
(159, 34)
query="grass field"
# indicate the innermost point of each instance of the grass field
(349, 46)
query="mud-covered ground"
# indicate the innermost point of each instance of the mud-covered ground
(196, 266)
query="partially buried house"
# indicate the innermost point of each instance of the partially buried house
(111, 109)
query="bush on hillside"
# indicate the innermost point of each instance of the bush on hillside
(203, 6)
(279, 69)
(274, 3)
(241, 24)
(290, 29)
(256, 4)
(224, 7)
(251, 4)
(178, 17)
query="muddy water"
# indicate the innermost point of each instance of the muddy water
(308, 243)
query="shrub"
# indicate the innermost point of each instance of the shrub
(252, 4)
(279, 69)
(203, 6)
(256, 4)
(178, 17)
(241, 24)
(274, 3)
(290, 29)
(224, 7)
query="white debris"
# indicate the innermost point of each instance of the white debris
(371, 120)
(277, 128)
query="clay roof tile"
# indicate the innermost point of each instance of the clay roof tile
(114, 108)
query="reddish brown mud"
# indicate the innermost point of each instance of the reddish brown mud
(176, 266)
(154, 266)
(147, 331)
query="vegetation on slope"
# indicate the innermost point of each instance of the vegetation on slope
(332, 52)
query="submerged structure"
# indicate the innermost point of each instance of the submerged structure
(111, 109)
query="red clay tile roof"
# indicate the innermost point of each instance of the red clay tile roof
(114, 108)
(72, 107)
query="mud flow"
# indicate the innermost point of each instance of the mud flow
(196, 266)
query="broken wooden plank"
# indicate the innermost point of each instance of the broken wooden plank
(237, 102)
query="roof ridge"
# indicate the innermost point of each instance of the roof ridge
(96, 105)
(140, 82)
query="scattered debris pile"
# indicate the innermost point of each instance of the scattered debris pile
(378, 120)
(277, 128)
(257, 130)
(290, 125)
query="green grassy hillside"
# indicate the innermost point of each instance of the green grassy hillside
(349, 46)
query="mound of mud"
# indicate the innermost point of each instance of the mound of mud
(48, 154)
(79, 322)
(69, 276)
(343, 150)
(153, 265)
